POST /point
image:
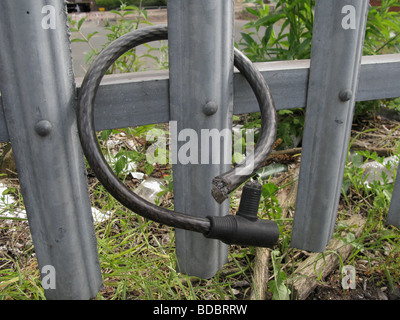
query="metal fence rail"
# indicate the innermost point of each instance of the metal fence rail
(121, 98)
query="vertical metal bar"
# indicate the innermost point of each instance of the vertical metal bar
(339, 29)
(393, 217)
(38, 94)
(201, 99)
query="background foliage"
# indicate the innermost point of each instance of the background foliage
(113, 4)
(285, 33)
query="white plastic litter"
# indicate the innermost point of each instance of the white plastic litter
(99, 216)
(373, 170)
(6, 200)
(138, 175)
(149, 189)
(6, 211)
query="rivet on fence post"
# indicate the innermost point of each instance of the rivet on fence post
(43, 128)
(210, 108)
(345, 95)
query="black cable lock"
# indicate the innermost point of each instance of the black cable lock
(244, 228)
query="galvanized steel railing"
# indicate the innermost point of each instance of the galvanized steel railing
(37, 114)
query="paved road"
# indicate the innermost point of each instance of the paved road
(81, 49)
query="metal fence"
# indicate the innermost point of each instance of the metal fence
(37, 115)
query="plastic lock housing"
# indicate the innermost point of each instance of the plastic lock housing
(245, 228)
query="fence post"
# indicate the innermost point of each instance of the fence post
(201, 98)
(393, 217)
(38, 95)
(337, 44)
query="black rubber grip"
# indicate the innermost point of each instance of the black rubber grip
(241, 231)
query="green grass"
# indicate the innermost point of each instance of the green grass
(138, 258)
(138, 261)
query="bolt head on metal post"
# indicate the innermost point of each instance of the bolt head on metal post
(345, 95)
(43, 128)
(210, 108)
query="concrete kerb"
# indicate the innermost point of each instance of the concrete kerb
(157, 15)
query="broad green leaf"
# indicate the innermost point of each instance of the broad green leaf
(105, 134)
(78, 40)
(253, 12)
(269, 189)
(90, 35)
(116, 12)
(279, 290)
(270, 19)
(248, 38)
(80, 22)
(120, 165)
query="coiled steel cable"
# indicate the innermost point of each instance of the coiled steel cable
(226, 182)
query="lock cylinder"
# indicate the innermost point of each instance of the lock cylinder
(245, 228)
(250, 200)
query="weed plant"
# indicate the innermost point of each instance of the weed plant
(128, 19)
(286, 34)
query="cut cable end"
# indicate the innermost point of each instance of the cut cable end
(219, 190)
